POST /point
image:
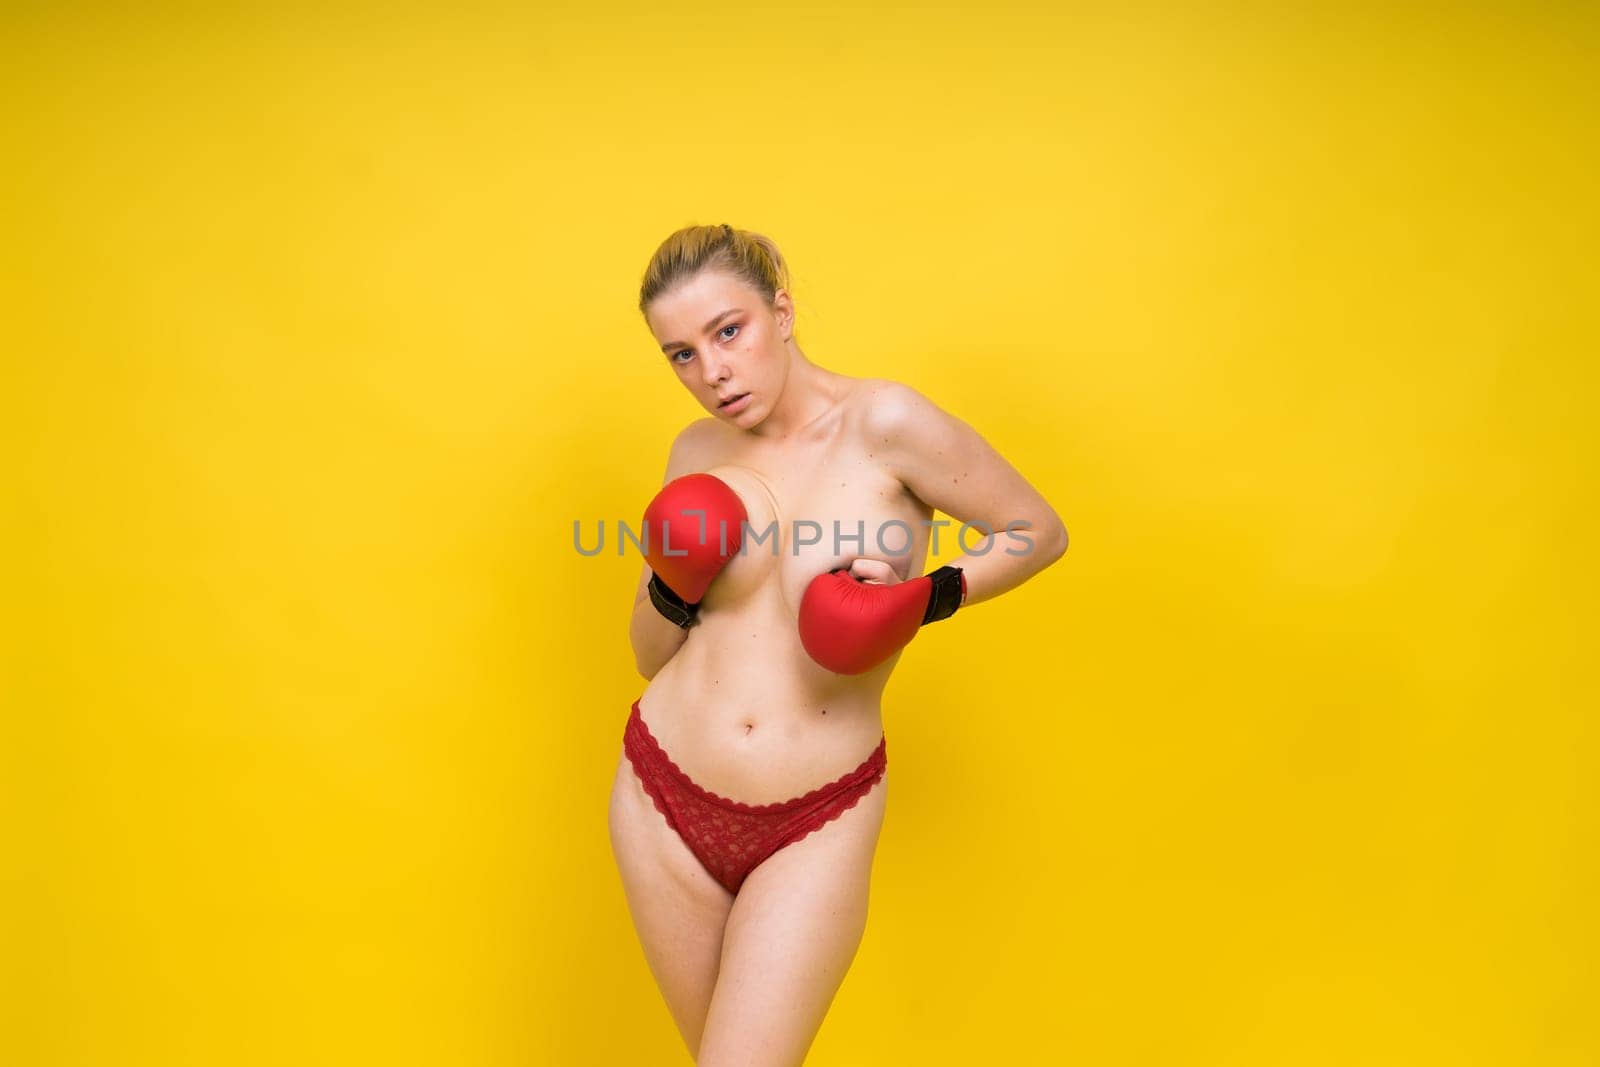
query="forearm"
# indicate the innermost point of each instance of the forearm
(655, 640)
(1004, 560)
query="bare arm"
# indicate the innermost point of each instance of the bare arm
(949, 466)
(654, 639)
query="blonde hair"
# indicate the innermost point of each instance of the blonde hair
(751, 257)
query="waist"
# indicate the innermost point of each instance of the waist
(758, 733)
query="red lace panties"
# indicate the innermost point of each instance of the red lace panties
(730, 838)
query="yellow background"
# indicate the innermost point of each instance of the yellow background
(320, 333)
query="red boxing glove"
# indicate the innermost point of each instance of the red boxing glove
(850, 627)
(691, 529)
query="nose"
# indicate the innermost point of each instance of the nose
(713, 370)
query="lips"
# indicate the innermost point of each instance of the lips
(731, 399)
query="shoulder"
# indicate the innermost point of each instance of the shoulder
(697, 434)
(911, 436)
(697, 446)
(890, 411)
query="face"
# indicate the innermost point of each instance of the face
(724, 343)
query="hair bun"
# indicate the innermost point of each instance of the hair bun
(749, 255)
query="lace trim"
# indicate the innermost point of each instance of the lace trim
(871, 768)
(823, 818)
(648, 781)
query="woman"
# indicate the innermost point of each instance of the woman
(753, 779)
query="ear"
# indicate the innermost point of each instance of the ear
(783, 312)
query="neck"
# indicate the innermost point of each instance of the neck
(809, 393)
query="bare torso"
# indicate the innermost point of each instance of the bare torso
(740, 707)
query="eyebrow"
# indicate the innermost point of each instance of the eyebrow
(706, 329)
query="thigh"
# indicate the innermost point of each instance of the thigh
(678, 909)
(793, 931)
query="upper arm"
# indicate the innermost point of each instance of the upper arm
(949, 466)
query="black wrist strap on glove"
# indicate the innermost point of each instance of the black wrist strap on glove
(946, 595)
(672, 607)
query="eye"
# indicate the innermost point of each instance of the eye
(680, 352)
(725, 329)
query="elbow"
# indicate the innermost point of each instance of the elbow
(1055, 544)
(646, 664)
(641, 661)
